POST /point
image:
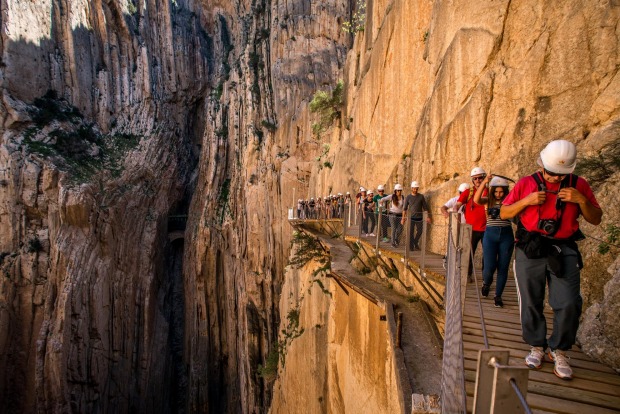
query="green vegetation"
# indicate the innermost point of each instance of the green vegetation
(358, 20)
(222, 200)
(131, 7)
(74, 145)
(327, 105)
(612, 237)
(599, 167)
(269, 371)
(34, 245)
(49, 108)
(270, 126)
(414, 298)
(307, 248)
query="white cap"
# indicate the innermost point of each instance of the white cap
(380, 187)
(463, 187)
(559, 157)
(477, 171)
(498, 182)
(414, 184)
(398, 187)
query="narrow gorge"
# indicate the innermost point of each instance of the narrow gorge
(151, 150)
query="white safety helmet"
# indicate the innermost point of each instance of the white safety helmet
(463, 187)
(362, 190)
(559, 157)
(398, 187)
(348, 193)
(414, 184)
(477, 171)
(498, 182)
(370, 192)
(380, 187)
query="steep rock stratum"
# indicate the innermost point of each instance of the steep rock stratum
(162, 109)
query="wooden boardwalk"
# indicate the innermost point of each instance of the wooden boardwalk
(595, 387)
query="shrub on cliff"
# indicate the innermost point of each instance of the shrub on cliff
(327, 105)
(598, 168)
(307, 248)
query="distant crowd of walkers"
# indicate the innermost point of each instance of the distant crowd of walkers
(331, 206)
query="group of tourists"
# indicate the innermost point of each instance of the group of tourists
(395, 209)
(329, 207)
(545, 207)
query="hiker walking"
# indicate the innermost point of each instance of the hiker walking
(415, 203)
(548, 204)
(498, 241)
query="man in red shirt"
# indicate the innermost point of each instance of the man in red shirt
(475, 214)
(548, 204)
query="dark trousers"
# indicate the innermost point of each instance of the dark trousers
(476, 237)
(385, 223)
(533, 276)
(497, 247)
(397, 228)
(415, 233)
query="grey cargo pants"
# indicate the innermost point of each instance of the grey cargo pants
(533, 276)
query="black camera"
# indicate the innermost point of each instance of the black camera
(549, 226)
(493, 213)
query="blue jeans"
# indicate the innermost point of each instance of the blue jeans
(497, 248)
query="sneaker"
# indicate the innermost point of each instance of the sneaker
(385, 240)
(562, 368)
(535, 358)
(485, 290)
(498, 302)
(372, 235)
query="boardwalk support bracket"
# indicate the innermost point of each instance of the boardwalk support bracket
(493, 393)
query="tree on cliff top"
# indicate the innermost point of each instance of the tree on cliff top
(328, 105)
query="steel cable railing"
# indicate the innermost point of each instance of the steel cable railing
(480, 311)
(453, 394)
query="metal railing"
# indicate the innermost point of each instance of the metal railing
(453, 394)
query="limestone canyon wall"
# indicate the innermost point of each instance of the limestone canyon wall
(198, 109)
(91, 309)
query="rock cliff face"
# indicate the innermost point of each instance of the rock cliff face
(187, 107)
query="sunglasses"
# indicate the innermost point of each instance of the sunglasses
(478, 178)
(552, 174)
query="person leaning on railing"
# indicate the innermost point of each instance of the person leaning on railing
(396, 202)
(450, 206)
(498, 241)
(548, 204)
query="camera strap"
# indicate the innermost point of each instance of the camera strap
(568, 181)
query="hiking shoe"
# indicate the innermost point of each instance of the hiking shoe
(535, 358)
(562, 368)
(485, 290)
(498, 302)
(372, 235)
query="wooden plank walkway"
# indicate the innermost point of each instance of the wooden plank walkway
(594, 389)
